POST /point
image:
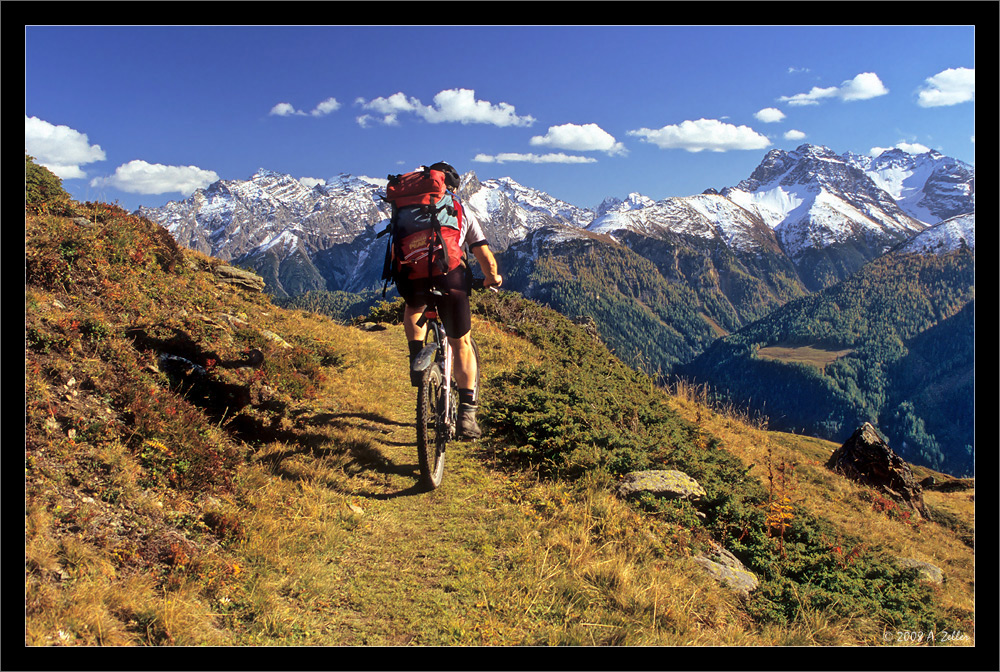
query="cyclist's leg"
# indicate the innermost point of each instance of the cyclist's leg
(415, 296)
(466, 366)
(457, 318)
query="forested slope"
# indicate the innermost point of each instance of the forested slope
(907, 322)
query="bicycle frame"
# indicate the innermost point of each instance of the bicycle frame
(437, 417)
(439, 350)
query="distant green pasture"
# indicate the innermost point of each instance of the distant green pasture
(802, 354)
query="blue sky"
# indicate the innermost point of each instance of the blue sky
(144, 115)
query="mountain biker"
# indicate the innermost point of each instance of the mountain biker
(455, 313)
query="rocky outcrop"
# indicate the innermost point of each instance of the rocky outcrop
(720, 564)
(867, 459)
(665, 483)
(925, 570)
(726, 568)
(240, 277)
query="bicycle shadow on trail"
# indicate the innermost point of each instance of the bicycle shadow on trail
(352, 454)
(363, 421)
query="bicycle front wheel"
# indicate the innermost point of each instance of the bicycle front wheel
(432, 428)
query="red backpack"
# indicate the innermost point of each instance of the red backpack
(424, 228)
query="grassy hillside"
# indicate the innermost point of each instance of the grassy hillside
(205, 468)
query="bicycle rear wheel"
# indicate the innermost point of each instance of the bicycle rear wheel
(432, 429)
(475, 353)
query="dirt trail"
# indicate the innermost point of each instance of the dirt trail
(413, 570)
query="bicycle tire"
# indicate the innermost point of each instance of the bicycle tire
(432, 433)
(475, 353)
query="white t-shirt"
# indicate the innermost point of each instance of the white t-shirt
(472, 232)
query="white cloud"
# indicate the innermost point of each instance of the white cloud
(310, 182)
(949, 87)
(769, 115)
(815, 95)
(288, 110)
(450, 105)
(461, 105)
(861, 87)
(283, 110)
(585, 138)
(703, 134)
(61, 149)
(794, 135)
(513, 157)
(139, 177)
(326, 107)
(908, 147)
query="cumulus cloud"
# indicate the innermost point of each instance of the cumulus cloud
(61, 149)
(326, 107)
(585, 138)
(949, 87)
(387, 109)
(139, 177)
(513, 157)
(288, 110)
(450, 105)
(703, 134)
(813, 97)
(283, 110)
(861, 87)
(769, 115)
(461, 105)
(794, 135)
(908, 147)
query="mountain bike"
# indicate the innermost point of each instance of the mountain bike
(437, 396)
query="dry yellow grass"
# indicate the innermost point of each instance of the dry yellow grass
(841, 501)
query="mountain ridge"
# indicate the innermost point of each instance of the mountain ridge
(327, 215)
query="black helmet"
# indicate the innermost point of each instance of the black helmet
(451, 176)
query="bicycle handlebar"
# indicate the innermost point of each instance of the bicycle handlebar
(479, 283)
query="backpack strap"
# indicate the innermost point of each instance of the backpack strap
(389, 230)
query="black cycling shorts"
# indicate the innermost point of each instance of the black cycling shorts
(453, 306)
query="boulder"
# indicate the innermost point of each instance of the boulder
(925, 570)
(726, 568)
(240, 277)
(867, 459)
(663, 483)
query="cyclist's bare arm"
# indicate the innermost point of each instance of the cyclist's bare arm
(488, 264)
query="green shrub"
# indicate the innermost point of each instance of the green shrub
(41, 186)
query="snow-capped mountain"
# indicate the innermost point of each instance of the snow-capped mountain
(947, 236)
(233, 218)
(810, 199)
(806, 204)
(930, 187)
(301, 237)
(707, 216)
(813, 199)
